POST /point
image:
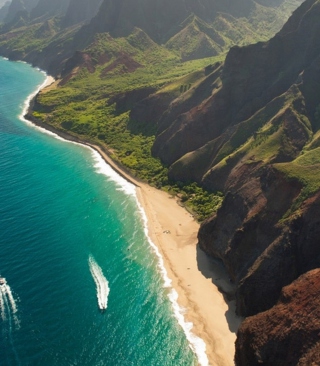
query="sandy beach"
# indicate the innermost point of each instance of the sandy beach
(194, 276)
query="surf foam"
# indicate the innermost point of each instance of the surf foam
(103, 168)
(197, 344)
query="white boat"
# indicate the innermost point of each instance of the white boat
(2, 281)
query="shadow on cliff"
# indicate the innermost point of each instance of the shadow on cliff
(214, 270)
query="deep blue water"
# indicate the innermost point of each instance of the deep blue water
(72, 241)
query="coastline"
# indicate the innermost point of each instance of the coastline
(194, 276)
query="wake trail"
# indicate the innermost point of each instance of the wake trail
(8, 310)
(101, 282)
(2, 305)
(13, 305)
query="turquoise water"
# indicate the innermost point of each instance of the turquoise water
(72, 243)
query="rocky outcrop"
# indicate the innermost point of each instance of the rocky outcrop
(288, 333)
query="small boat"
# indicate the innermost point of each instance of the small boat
(2, 281)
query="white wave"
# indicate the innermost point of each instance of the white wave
(104, 168)
(197, 344)
(101, 282)
(25, 108)
(101, 166)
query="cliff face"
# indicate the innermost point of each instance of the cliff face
(47, 8)
(251, 78)
(17, 6)
(4, 8)
(172, 22)
(160, 19)
(288, 333)
(81, 11)
(263, 120)
(248, 126)
(192, 28)
(261, 254)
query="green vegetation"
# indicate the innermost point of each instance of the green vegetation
(88, 102)
(306, 170)
(87, 106)
(196, 199)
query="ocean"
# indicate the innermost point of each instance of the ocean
(83, 284)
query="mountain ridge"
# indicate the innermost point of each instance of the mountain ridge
(248, 126)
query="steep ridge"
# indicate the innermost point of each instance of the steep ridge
(255, 136)
(17, 6)
(248, 127)
(3, 2)
(195, 29)
(162, 20)
(46, 9)
(159, 19)
(81, 11)
(4, 11)
(251, 78)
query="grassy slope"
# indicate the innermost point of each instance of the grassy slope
(264, 137)
(81, 106)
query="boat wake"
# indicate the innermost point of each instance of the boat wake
(8, 311)
(101, 282)
(7, 303)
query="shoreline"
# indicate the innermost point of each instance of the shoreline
(195, 278)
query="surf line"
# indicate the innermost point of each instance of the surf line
(196, 344)
(102, 284)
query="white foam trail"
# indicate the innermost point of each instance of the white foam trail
(13, 306)
(11, 299)
(6, 306)
(101, 283)
(103, 168)
(26, 103)
(197, 344)
(2, 305)
(7, 302)
(25, 108)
